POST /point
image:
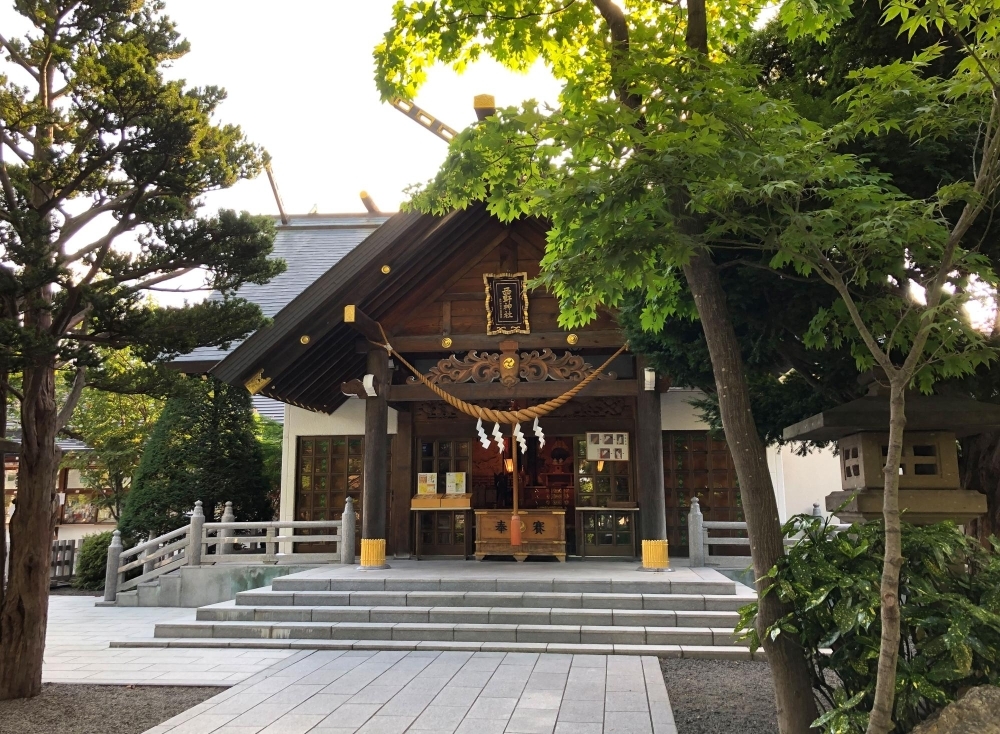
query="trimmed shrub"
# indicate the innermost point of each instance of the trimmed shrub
(949, 596)
(204, 447)
(92, 561)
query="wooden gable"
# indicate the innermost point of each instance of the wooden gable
(454, 303)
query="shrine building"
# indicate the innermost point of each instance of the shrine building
(613, 466)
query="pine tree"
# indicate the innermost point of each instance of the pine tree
(204, 447)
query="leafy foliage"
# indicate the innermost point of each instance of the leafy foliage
(950, 605)
(204, 447)
(115, 425)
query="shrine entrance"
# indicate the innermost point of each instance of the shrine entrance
(462, 494)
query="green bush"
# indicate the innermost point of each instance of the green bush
(950, 611)
(92, 561)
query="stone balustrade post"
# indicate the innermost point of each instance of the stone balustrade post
(149, 563)
(696, 535)
(111, 571)
(196, 531)
(270, 547)
(223, 546)
(347, 533)
(817, 510)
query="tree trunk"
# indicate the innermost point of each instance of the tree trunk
(885, 684)
(792, 682)
(980, 472)
(24, 614)
(3, 485)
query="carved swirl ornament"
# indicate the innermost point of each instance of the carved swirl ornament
(535, 366)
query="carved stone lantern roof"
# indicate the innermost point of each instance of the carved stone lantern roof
(961, 415)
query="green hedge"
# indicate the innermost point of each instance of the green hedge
(92, 561)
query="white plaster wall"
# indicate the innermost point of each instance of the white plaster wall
(76, 532)
(347, 420)
(801, 481)
(677, 413)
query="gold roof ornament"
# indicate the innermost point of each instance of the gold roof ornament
(257, 383)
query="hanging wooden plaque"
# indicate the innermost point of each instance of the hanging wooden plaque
(506, 303)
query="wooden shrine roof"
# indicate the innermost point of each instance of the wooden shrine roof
(308, 351)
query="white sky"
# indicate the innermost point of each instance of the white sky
(300, 77)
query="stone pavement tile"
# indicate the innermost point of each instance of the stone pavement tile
(262, 714)
(473, 678)
(321, 703)
(379, 724)
(546, 680)
(540, 699)
(590, 661)
(407, 704)
(453, 695)
(440, 718)
(334, 730)
(227, 730)
(520, 658)
(481, 726)
(503, 688)
(584, 691)
(293, 724)
(238, 704)
(350, 715)
(295, 693)
(590, 728)
(375, 694)
(426, 685)
(579, 712)
(531, 721)
(627, 722)
(203, 724)
(183, 716)
(492, 709)
(626, 701)
(553, 663)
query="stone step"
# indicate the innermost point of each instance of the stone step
(702, 652)
(230, 612)
(662, 584)
(277, 596)
(452, 632)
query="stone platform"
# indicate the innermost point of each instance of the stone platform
(578, 607)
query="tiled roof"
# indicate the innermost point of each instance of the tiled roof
(268, 408)
(310, 245)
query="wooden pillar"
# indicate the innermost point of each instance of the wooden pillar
(649, 471)
(374, 499)
(400, 517)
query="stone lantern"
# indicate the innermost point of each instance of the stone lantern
(929, 486)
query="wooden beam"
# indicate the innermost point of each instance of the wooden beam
(400, 519)
(496, 391)
(555, 340)
(368, 327)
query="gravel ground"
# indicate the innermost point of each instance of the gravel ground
(72, 709)
(720, 696)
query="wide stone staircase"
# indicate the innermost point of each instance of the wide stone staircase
(691, 614)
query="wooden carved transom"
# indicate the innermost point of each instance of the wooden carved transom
(534, 366)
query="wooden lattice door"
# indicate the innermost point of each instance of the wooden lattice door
(698, 465)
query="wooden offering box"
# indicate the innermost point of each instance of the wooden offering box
(434, 501)
(543, 533)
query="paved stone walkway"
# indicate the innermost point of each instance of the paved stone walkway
(390, 692)
(76, 649)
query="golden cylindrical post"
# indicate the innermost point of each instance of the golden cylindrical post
(372, 552)
(655, 555)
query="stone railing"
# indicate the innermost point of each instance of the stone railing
(700, 538)
(193, 545)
